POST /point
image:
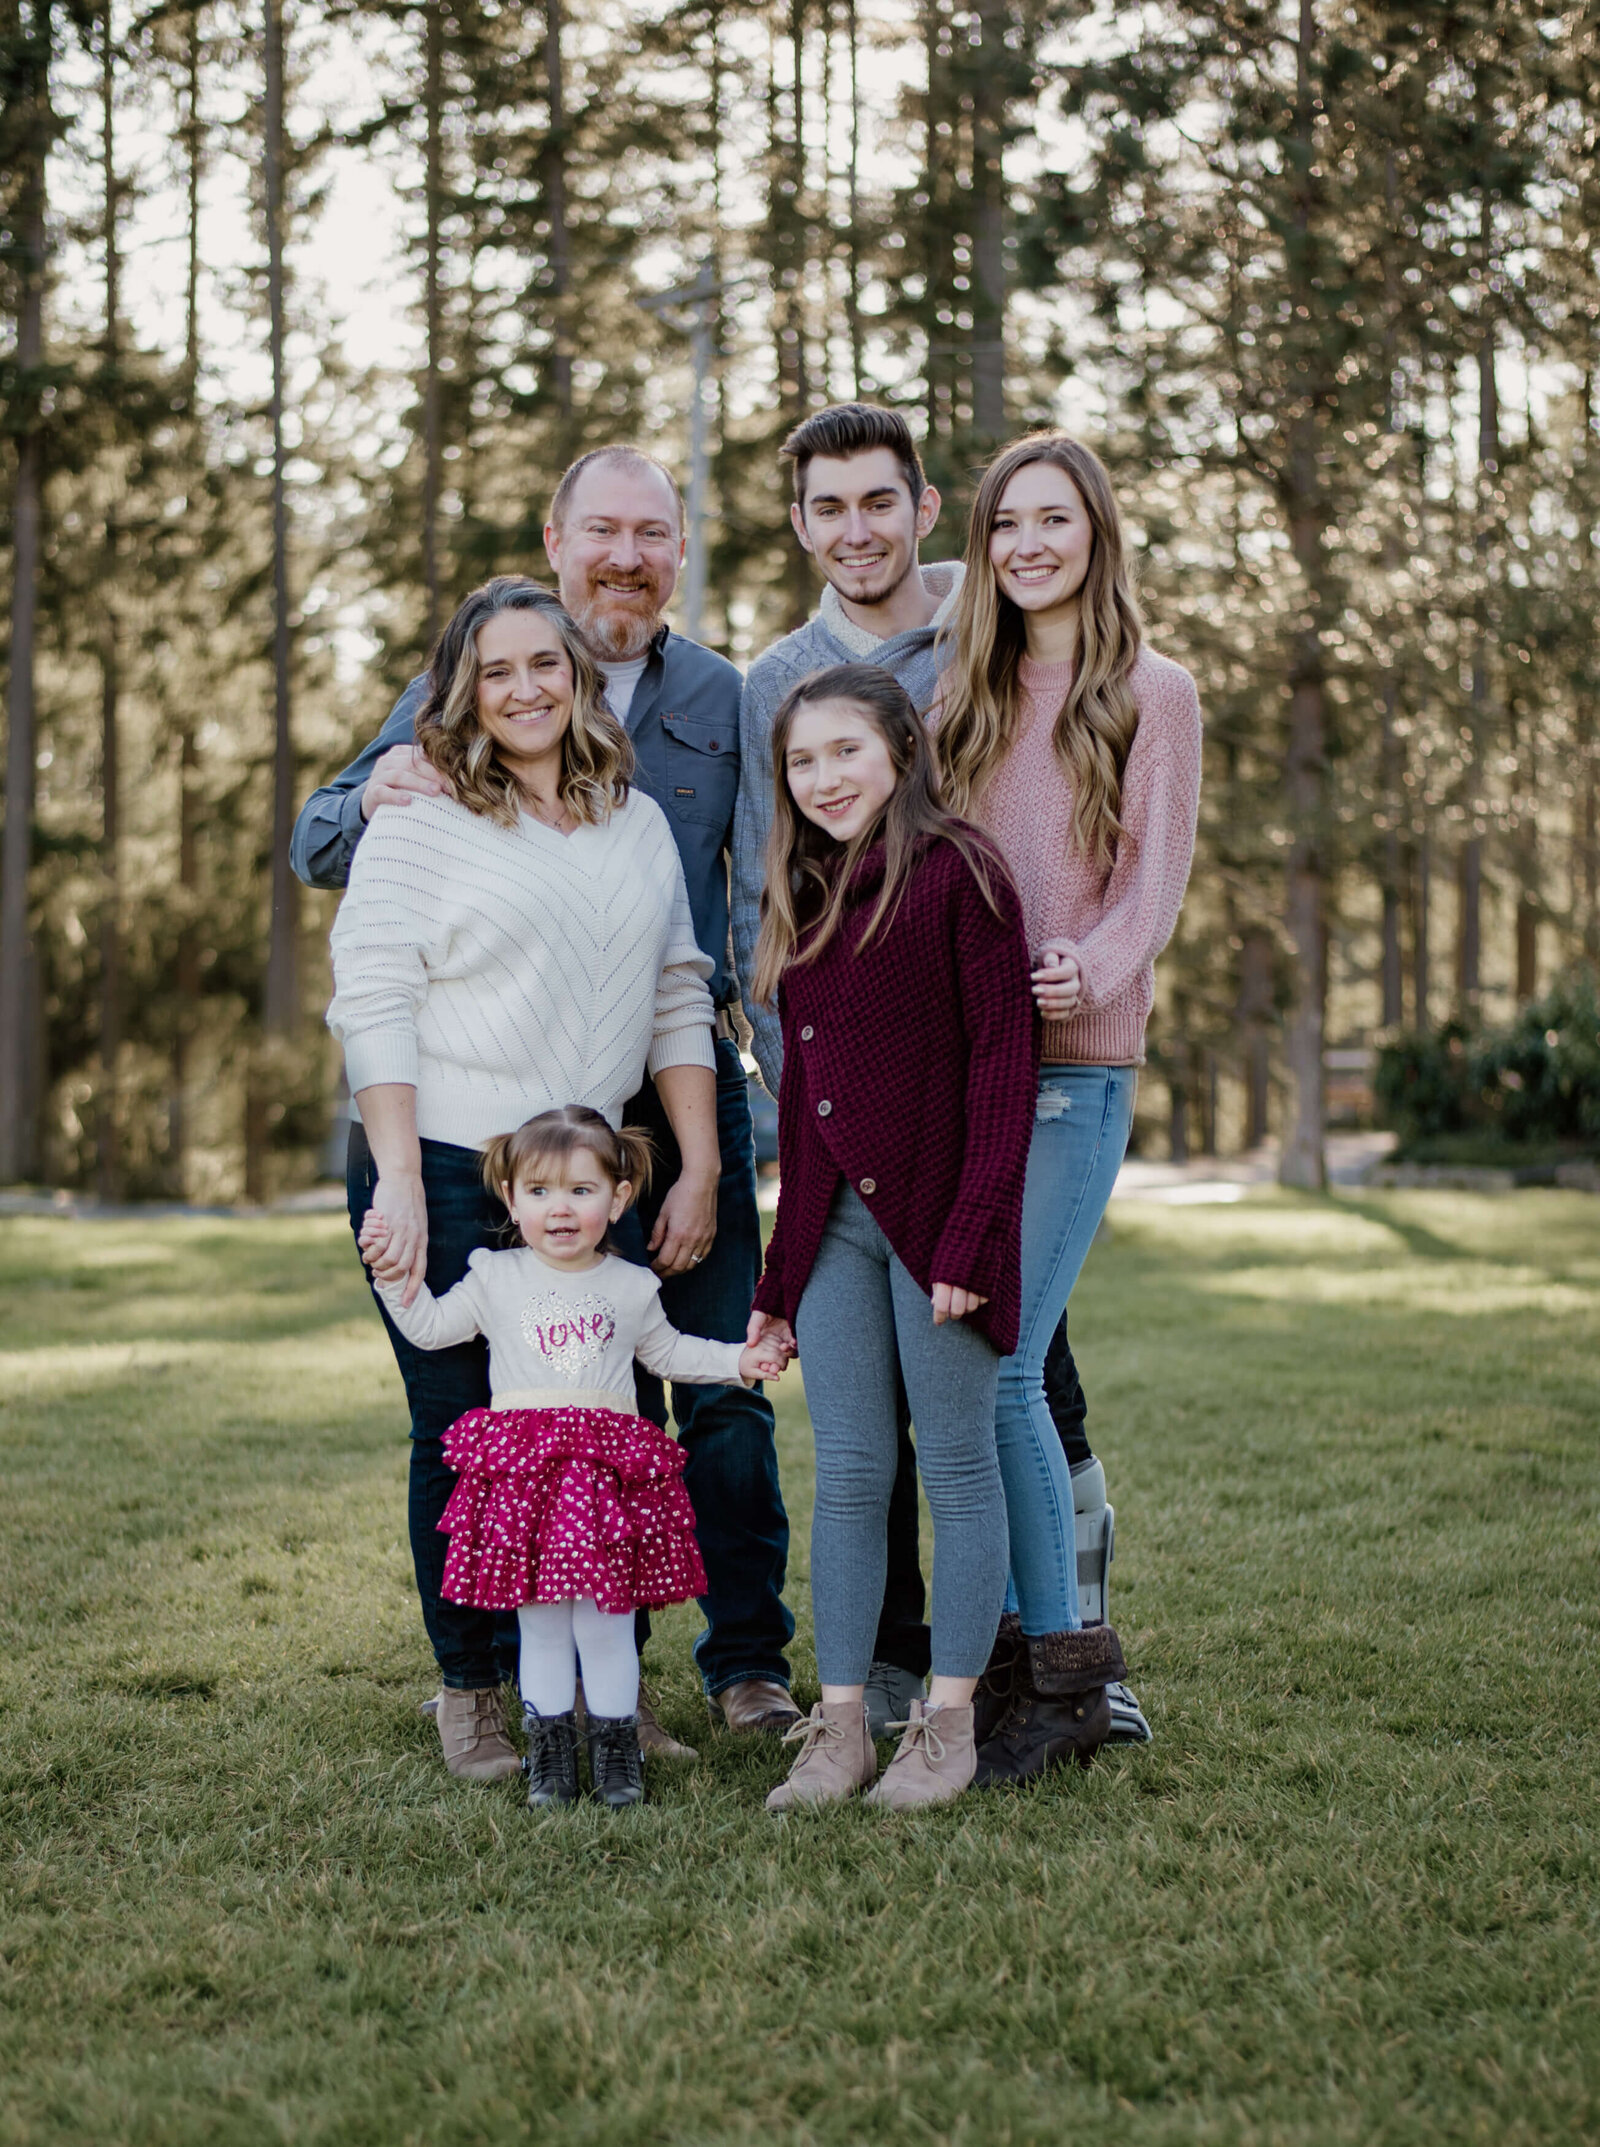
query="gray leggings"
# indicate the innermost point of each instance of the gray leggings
(860, 1309)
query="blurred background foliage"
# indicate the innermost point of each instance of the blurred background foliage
(1320, 282)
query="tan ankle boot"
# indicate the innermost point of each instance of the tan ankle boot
(936, 1760)
(836, 1756)
(472, 1729)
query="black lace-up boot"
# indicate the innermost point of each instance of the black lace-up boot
(1059, 1712)
(616, 1765)
(552, 1762)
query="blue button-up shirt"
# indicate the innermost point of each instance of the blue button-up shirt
(684, 723)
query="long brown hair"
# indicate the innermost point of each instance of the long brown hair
(982, 702)
(808, 873)
(596, 752)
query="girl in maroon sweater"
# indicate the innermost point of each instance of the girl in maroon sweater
(893, 938)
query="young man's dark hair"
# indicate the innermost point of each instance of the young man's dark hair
(853, 429)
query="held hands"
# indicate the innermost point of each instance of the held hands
(394, 1235)
(949, 1303)
(1057, 980)
(769, 1344)
(400, 777)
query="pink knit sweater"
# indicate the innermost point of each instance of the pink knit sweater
(1117, 920)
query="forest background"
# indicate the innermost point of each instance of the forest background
(1320, 281)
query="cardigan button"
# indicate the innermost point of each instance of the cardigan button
(824, 1108)
(869, 1185)
(807, 1033)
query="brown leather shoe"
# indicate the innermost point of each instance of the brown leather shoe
(756, 1703)
(472, 1730)
(659, 1743)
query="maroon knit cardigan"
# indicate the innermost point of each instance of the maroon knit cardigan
(910, 1069)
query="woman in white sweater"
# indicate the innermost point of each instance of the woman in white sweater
(524, 943)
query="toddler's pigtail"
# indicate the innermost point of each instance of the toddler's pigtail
(497, 1163)
(636, 1157)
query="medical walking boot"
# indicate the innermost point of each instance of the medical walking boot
(1096, 1526)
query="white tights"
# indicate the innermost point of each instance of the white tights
(556, 1637)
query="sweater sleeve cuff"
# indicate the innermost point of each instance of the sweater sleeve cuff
(769, 1292)
(1088, 996)
(682, 1047)
(380, 1055)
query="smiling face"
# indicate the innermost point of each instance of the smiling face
(1041, 542)
(838, 767)
(564, 1206)
(525, 689)
(616, 554)
(858, 523)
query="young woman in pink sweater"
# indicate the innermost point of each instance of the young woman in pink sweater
(1078, 751)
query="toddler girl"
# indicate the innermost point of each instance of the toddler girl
(569, 1507)
(904, 1115)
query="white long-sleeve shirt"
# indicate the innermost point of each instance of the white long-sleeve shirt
(505, 971)
(557, 1336)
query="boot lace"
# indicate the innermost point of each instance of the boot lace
(921, 1735)
(810, 1733)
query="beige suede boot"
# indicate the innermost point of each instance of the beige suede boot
(936, 1760)
(836, 1756)
(472, 1729)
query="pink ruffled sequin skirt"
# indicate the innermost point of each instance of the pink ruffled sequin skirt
(552, 1504)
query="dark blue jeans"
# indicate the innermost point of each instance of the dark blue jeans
(473, 1647)
(726, 1432)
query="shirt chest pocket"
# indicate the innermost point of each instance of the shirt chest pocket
(702, 766)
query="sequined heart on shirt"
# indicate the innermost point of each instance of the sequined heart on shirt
(570, 1333)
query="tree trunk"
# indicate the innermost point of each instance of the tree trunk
(988, 231)
(1253, 1015)
(19, 1009)
(280, 1001)
(432, 437)
(108, 1172)
(1421, 959)
(186, 1020)
(852, 301)
(1393, 1001)
(555, 202)
(1303, 1161)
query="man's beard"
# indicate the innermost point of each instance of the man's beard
(877, 592)
(615, 634)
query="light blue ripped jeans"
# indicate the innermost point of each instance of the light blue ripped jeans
(1080, 1133)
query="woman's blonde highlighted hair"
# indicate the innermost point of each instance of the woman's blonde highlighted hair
(554, 1136)
(982, 700)
(596, 752)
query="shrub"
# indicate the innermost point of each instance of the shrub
(1534, 1082)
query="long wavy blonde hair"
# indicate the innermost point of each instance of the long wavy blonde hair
(982, 702)
(596, 752)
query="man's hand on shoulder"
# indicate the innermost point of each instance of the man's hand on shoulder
(400, 776)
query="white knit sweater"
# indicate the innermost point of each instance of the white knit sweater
(503, 971)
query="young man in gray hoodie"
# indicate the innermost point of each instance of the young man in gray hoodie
(862, 506)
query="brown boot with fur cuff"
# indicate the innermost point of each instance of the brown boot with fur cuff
(1059, 1713)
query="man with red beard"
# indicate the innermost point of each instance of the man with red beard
(616, 540)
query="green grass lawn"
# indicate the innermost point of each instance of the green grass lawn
(1350, 1894)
